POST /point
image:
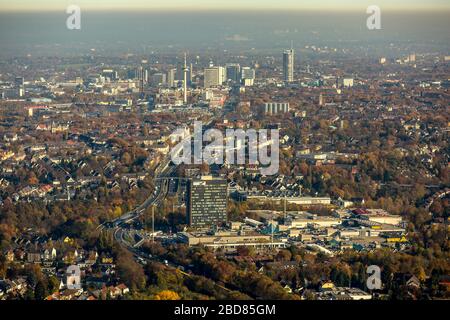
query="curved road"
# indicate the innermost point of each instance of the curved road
(163, 171)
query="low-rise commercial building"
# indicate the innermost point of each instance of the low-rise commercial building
(229, 240)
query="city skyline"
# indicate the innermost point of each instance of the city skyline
(198, 5)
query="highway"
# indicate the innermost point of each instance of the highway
(161, 187)
(142, 257)
(438, 195)
(162, 177)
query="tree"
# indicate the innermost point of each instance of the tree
(40, 291)
(126, 159)
(129, 270)
(117, 212)
(204, 168)
(32, 179)
(53, 284)
(29, 294)
(245, 251)
(284, 255)
(167, 295)
(437, 208)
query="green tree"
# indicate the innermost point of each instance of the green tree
(40, 291)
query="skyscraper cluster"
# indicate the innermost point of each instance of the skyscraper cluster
(216, 75)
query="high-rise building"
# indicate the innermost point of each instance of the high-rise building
(111, 74)
(131, 73)
(141, 74)
(158, 79)
(233, 71)
(248, 73)
(19, 81)
(214, 76)
(288, 65)
(179, 76)
(171, 75)
(248, 76)
(206, 202)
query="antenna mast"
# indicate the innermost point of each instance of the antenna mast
(185, 70)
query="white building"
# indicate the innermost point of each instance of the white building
(348, 82)
(275, 108)
(214, 76)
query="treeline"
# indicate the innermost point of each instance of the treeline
(221, 270)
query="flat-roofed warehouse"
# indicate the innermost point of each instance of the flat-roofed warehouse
(229, 240)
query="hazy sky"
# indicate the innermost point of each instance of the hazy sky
(8, 5)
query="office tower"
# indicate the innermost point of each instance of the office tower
(222, 75)
(141, 74)
(248, 73)
(131, 73)
(111, 74)
(288, 65)
(19, 81)
(214, 76)
(171, 75)
(211, 77)
(233, 71)
(158, 79)
(179, 76)
(275, 108)
(248, 76)
(206, 202)
(21, 92)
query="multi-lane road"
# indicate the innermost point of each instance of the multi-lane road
(162, 176)
(161, 187)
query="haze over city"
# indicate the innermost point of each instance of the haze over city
(45, 33)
